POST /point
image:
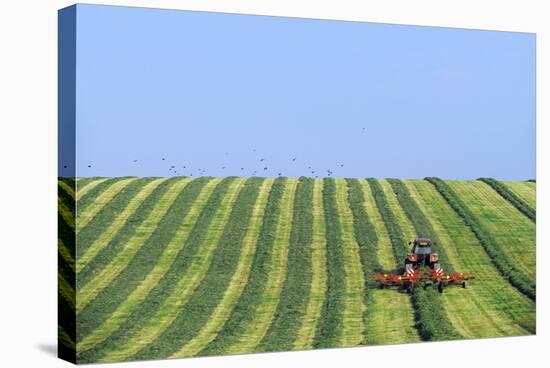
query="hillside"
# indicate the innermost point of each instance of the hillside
(178, 267)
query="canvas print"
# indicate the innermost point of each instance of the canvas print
(236, 184)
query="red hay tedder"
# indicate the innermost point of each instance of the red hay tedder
(422, 267)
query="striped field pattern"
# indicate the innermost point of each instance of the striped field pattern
(154, 268)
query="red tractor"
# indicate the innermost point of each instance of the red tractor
(422, 266)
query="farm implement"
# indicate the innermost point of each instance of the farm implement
(422, 268)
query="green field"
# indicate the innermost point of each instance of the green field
(180, 267)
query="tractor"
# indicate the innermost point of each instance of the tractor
(422, 267)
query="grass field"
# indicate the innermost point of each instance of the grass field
(180, 267)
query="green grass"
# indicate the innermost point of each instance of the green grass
(174, 229)
(87, 210)
(511, 197)
(329, 330)
(237, 283)
(432, 319)
(365, 233)
(390, 316)
(293, 300)
(524, 190)
(103, 220)
(134, 275)
(243, 313)
(264, 311)
(316, 297)
(88, 291)
(196, 312)
(179, 267)
(490, 307)
(87, 254)
(500, 257)
(119, 345)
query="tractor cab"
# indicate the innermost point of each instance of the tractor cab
(421, 255)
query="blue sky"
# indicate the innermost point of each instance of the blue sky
(214, 94)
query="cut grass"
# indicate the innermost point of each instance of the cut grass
(255, 329)
(173, 230)
(306, 333)
(66, 254)
(366, 239)
(485, 213)
(162, 289)
(84, 187)
(65, 290)
(125, 233)
(88, 210)
(90, 290)
(511, 197)
(68, 186)
(469, 309)
(204, 239)
(433, 321)
(194, 314)
(384, 253)
(293, 299)
(329, 329)
(238, 282)
(354, 308)
(108, 234)
(524, 190)
(389, 315)
(66, 212)
(243, 314)
(390, 318)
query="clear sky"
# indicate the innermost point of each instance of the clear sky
(214, 94)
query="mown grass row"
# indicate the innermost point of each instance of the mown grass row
(111, 230)
(243, 312)
(66, 296)
(124, 341)
(196, 312)
(185, 284)
(499, 258)
(106, 275)
(511, 197)
(110, 298)
(183, 227)
(419, 220)
(390, 316)
(66, 202)
(306, 332)
(366, 237)
(265, 310)
(526, 191)
(492, 307)
(294, 295)
(397, 239)
(103, 219)
(353, 328)
(86, 185)
(329, 328)
(124, 232)
(237, 283)
(432, 322)
(87, 210)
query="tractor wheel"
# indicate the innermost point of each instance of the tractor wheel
(382, 286)
(440, 286)
(464, 284)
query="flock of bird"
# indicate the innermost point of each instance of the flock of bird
(174, 170)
